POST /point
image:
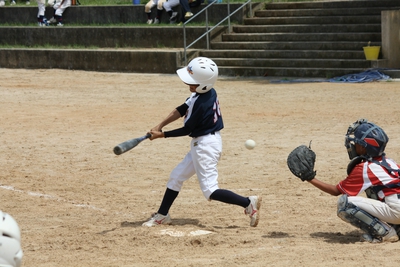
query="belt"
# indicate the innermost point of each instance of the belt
(212, 133)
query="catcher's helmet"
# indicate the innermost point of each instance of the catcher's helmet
(10, 241)
(202, 71)
(368, 135)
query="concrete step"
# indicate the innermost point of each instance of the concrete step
(392, 73)
(305, 39)
(292, 62)
(355, 19)
(120, 60)
(105, 37)
(308, 28)
(302, 37)
(321, 45)
(333, 4)
(286, 72)
(285, 54)
(315, 12)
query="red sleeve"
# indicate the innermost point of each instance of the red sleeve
(353, 183)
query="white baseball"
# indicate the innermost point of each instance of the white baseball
(250, 144)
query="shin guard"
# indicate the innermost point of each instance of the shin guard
(359, 218)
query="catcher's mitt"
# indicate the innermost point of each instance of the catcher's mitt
(301, 162)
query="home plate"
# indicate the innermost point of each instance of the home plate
(177, 233)
(200, 232)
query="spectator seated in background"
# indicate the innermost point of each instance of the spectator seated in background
(59, 7)
(149, 6)
(185, 7)
(161, 4)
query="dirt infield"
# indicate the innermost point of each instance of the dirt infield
(80, 205)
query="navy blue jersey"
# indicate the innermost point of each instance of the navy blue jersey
(202, 116)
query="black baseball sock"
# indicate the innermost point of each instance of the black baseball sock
(229, 197)
(168, 199)
(59, 19)
(159, 13)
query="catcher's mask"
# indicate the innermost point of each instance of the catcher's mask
(202, 71)
(368, 135)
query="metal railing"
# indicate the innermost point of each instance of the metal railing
(228, 17)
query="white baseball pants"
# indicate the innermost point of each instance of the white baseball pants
(170, 4)
(202, 160)
(61, 8)
(388, 211)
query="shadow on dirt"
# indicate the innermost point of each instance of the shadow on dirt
(328, 237)
(277, 235)
(338, 238)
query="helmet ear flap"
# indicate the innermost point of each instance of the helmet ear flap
(203, 89)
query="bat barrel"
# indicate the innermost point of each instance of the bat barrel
(128, 145)
(117, 150)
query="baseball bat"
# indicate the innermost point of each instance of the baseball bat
(128, 145)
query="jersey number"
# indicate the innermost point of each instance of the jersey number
(217, 111)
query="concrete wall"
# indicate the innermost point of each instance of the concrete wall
(101, 37)
(160, 61)
(391, 38)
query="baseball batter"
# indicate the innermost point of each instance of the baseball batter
(203, 123)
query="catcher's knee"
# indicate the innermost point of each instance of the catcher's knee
(359, 218)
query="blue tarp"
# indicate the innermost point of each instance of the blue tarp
(366, 76)
(369, 75)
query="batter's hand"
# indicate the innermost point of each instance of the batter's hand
(157, 128)
(156, 134)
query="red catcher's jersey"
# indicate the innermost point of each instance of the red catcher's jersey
(367, 174)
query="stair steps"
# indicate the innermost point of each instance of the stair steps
(302, 39)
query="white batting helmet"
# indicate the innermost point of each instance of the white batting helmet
(202, 71)
(10, 242)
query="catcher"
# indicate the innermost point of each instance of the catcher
(369, 171)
